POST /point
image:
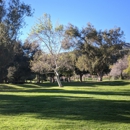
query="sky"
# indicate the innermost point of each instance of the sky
(102, 14)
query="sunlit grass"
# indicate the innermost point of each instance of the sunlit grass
(76, 106)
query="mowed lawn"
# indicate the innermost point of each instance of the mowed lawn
(76, 106)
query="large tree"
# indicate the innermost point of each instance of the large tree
(99, 48)
(6, 51)
(12, 16)
(19, 69)
(50, 38)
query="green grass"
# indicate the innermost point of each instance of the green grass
(76, 106)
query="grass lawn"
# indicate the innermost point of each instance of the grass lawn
(76, 106)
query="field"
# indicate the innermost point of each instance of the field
(76, 106)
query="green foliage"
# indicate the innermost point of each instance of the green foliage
(50, 38)
(82, 63)
(6, 51)
(19, 69)
(127, 70)
(11, 21)
(97, 49)
(67, 60)
(47, 35)
(72, 31)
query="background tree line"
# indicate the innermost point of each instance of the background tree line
(55, 51)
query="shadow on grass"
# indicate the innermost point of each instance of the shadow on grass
(53, 91)
(88, 84)
(57, 90)
(47, 88)
(66, 107)
(94, 84)
(73, 84)
(79, 84)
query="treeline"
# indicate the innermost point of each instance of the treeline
(55, 51)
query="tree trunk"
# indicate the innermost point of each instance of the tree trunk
(58, 79)
(81, 75)
(1, 79)
(52, 80)
(69, 79)
(121, 76)
(100, 75)
(38, 78)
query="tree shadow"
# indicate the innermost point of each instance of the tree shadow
(94, 84)
(66, 107)
(53, 91)
(68, 84)
(35, 88)
(123, 93)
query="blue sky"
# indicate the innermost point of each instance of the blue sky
(103, 14)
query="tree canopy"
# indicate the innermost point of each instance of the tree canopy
(97, 49)
(50, 38)
(12, 16)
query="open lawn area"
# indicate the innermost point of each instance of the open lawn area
(76, 106)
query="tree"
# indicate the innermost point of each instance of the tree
(67, 64)
(6, 51)
(41, 64)
(100, 48)
(11, 21)
(81, 67)
(119, 67)
(14, 19)
(2, 10)
(51, 39)
(19, 69)
(30, 49)
(127, 70)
